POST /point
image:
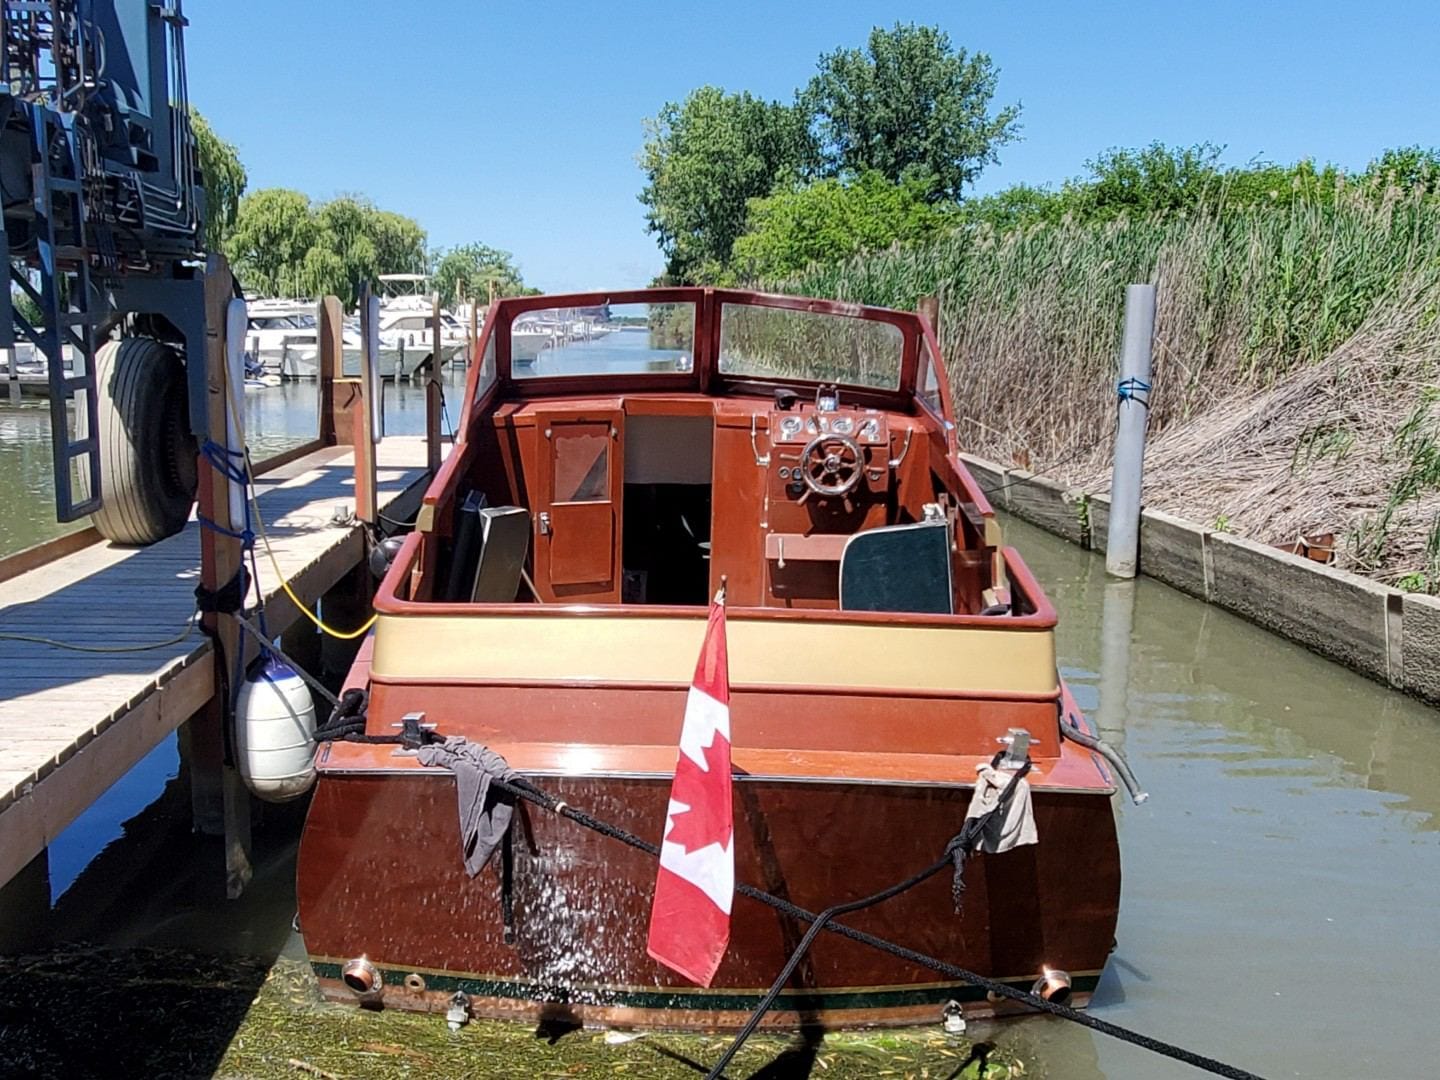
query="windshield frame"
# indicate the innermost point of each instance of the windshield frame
(704, 375)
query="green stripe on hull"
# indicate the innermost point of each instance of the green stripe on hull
(742, 1000)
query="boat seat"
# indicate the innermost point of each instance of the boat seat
(504, 543)
(901, 568)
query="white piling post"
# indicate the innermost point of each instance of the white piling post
(1133, 392)
(236, 319)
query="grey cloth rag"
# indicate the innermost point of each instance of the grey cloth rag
(1016, 824)
(483, 823)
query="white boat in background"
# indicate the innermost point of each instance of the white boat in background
(406, 333)
(282, 336)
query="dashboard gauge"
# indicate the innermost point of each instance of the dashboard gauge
(812, 426)
(870, 429)
(790, 426)
(842, 425)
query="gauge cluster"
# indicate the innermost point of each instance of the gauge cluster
(866, 427)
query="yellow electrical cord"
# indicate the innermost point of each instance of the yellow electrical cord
(253, 496)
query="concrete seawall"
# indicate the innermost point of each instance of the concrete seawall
(1391, 636)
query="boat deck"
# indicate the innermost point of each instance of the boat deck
(72, 723)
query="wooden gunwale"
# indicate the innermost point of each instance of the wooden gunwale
(389, 603)
(920, 693)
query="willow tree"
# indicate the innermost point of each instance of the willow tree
(223, 178)
(282, 244)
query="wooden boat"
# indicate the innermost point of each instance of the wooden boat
(804, 451)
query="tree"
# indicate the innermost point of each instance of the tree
(223, 179)
(829, 221)
(283, 245)
(908, 104)
(1153, 178)
(399, 243)
(473, 269)
(273, 230)
(1408, 168)
(703, 159)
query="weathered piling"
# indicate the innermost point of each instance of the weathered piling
(1133, 393)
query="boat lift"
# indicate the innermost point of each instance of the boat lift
(103, 213)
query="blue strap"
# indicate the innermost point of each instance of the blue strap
(228, 463)
(231, 464)
(1133, 389)
(246, 536)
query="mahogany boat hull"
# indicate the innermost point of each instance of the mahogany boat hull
(381, 876)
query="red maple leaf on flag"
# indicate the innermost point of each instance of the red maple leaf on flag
(708, 819)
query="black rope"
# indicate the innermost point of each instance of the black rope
(524, 789)
(507, 886)
(228, 598)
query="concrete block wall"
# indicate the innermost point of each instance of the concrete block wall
(1391, 636)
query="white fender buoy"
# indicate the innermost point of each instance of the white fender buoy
(275, 733)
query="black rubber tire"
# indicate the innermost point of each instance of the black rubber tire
(147, 454)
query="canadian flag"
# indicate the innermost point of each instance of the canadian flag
(690, 916)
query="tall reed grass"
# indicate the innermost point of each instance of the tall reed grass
(1337, 300)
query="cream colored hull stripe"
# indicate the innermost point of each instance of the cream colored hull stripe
(762, 652)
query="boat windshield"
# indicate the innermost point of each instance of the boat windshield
(608, 339)
(816, 346)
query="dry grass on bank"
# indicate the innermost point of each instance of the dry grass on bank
(1296, 352)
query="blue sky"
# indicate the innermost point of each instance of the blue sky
(518, 124)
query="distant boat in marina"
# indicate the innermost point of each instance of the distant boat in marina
(283, 336)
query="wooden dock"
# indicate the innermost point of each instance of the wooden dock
(72, 723)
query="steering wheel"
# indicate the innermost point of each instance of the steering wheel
(832, 464)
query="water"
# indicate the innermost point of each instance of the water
(623, 352)
(1277, 908)
(276, 419)
(1278, 905)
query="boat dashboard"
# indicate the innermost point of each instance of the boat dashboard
(828, 449)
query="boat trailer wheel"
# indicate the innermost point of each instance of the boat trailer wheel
(831, 464)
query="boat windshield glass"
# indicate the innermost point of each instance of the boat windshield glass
(784, 343)
(609, 339)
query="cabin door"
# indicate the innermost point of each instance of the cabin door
(577, 521)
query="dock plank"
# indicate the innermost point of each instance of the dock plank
(71, 723)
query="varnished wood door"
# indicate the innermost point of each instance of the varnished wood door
(577, 520)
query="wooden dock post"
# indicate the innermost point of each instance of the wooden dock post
(220, 559)
(433, 392)
(329, 364)
(25, 920)
(365, 411)
(472, 334)
(12, 367)
(929, 306)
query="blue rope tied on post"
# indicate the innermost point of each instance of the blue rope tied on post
(233, 465)
(1133, 389)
